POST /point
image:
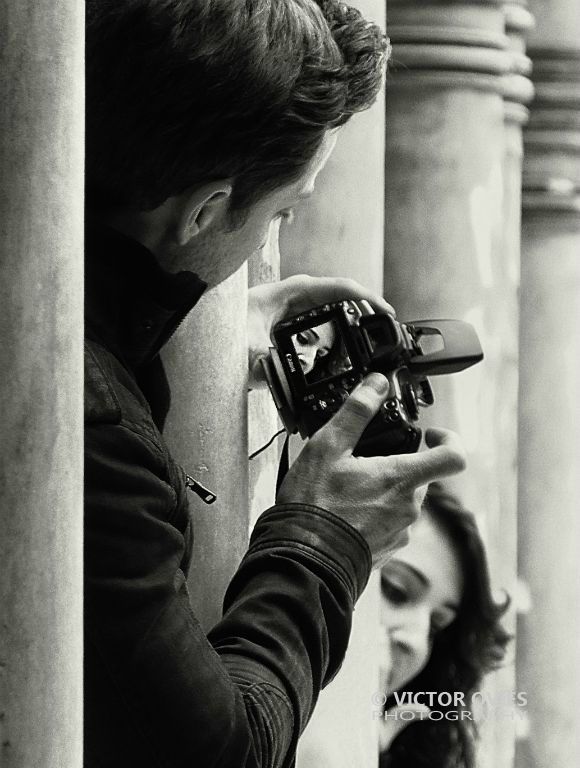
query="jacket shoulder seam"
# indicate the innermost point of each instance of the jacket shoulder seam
(101, 401)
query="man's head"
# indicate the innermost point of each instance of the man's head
(235, 96)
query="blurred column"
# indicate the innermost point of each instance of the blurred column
(41, 296)
(517, 92)
(549, 533)
(207, 365)
(340, 232)
(455, 108)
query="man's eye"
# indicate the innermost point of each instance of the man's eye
(394, 594)
(287, 215)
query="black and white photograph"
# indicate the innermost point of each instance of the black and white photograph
(290, 370)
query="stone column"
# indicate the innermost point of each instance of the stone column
(517, 93)
(340, 232)
(549, 534)
(263, 421)
(455, 107)
(206, 429)
(444, 227)
(41, 295)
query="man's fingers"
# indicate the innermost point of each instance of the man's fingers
(436, 436)
(314, 291)
(445, 457)
(344, 430)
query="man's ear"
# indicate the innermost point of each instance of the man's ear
(200, 207)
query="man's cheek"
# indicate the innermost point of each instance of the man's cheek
(271, 249)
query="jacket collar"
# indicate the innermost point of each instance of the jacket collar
(132, 306)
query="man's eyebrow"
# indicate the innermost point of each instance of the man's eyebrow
(305, 193)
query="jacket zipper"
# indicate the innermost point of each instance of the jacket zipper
(200, 490)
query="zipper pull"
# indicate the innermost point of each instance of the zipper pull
(204, 493)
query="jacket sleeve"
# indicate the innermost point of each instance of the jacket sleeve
(242, 695)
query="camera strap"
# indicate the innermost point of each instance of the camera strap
(284, 464)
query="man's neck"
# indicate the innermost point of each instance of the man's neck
(150, 228)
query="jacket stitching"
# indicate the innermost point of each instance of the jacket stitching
(315, 554)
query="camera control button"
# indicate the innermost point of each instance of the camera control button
(391, 404)
(394, 416)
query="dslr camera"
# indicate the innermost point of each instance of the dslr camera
(321, 355)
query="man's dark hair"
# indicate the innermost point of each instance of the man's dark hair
(185, 91)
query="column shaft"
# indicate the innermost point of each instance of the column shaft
(206, 429)
(41, 295)
(453, 173)
(549, 536)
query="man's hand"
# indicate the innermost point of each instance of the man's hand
(272, 302)
(379, 496)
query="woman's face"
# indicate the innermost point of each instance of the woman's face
(422, 587)
(312, 344)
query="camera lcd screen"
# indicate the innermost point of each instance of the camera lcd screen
(321, 352)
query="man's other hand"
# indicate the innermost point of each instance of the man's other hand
(272, 302)
(378, 496)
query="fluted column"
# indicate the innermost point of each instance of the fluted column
(41, 300)
(548, 650)
(455, 106)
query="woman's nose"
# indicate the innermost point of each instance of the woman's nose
(411, 637)
(308, 355)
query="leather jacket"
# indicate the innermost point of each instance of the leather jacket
(158, 691)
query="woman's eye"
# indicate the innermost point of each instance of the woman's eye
(301, 337)
(323, 352)
(394, 594)
(434, 630)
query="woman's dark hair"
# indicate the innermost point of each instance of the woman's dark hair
(180, 92)
(472, 645)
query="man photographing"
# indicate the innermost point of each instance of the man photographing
(207, 121)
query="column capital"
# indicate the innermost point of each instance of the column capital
(462, 45)
(552, 139)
